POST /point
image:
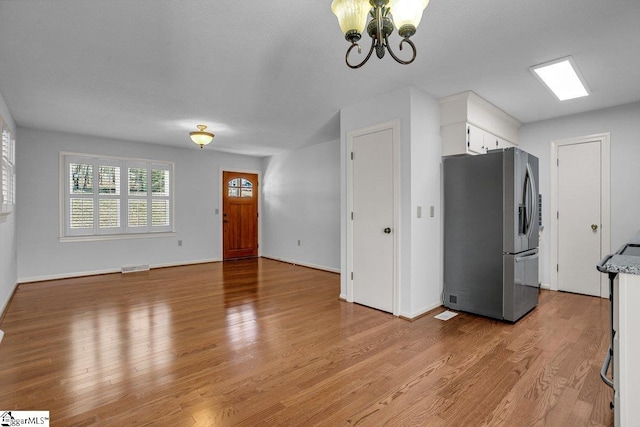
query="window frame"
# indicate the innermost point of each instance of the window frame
(123, 230)
(7, 169)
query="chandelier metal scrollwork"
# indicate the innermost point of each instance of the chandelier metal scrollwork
(352, 17)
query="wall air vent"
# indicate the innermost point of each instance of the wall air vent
(134, 268)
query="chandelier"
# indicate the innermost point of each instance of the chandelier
(201, 137)
(352, 17)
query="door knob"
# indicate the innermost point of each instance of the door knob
(387, 230)
(594, 227)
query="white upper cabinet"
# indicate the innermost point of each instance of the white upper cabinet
(471, 125)
(475, 139)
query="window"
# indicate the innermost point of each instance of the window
(240, 187)
(113, 196)
(8, 195)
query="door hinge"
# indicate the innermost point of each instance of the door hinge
(257, 245)
(257, 214)
(557, 267)
(557, 162)
(352, 155)
(351, 216)
(557, 214)
(352, 275)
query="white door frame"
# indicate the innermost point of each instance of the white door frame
(605, 203)
(394, 126)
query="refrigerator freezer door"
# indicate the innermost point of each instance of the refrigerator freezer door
(532, 202)
(521, 284)
(520, 201)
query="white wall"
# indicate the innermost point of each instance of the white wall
(420, 246)
(8, 254)
(301, 202)
(426, 232)
(197, 182)
(623, 122)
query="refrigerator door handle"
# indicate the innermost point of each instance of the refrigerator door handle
(531, 202)
(526, 257)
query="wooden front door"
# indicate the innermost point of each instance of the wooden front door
(240, 215)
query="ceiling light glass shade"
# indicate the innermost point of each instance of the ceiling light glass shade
(351, 14)
(407, 12)
(201, 137)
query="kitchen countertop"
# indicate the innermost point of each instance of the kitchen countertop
(624, 263)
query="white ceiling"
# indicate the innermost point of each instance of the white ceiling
(268, 76)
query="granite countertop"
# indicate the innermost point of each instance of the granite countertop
(625, 263)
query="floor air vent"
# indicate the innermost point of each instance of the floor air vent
(453, 299)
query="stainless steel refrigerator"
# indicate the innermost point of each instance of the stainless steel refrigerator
(491, 223)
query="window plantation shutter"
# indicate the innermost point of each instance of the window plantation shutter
(109, 191)
(161, 193)
(79, 196)
(111, 196)
(7, 171)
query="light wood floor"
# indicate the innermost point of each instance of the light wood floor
(258, 342)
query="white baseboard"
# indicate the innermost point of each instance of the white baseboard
(545, 286)
(66, 275)
(303, 264)
(180, 264)
(6, 303)
(162, 265)
(420, 312)
(107, 271)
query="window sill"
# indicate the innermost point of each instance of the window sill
(71, 239)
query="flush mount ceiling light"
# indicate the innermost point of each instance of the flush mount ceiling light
(562, 78)
(201, 137)
(352, 17)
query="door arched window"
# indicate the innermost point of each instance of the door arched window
(240, 187)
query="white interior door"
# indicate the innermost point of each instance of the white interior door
(373, 220)
(579, 217)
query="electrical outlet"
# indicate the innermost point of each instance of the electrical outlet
(298, 242)
(419, 213)
(432, 211)
(217, 211)
(179, 242)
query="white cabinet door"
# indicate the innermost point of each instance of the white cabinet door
(465, 138)
(491, 141)
(475, 140)
(626, 374)
(503, 143)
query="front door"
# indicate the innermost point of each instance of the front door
(579, 217)
(239, 215)
(373, 220)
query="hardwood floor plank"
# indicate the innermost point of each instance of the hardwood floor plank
(260, 342)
